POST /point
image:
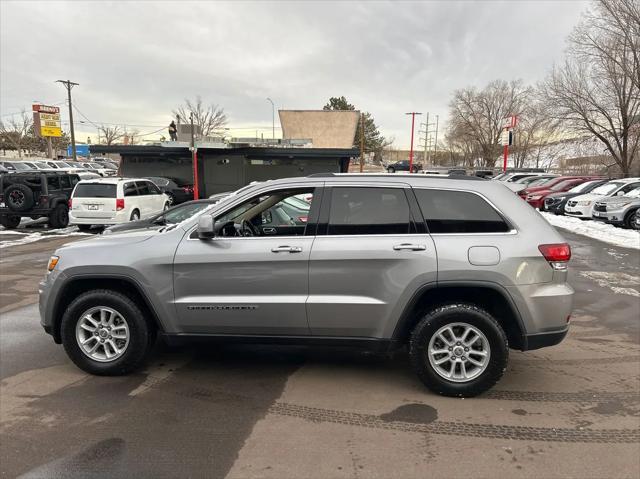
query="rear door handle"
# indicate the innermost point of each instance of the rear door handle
(287, 249)
(409, 246)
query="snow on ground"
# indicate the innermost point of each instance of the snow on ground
(25, 236)
(596, 230)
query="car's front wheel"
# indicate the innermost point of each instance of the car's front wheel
(391, 169)
(10, 221)
(631, 220)
(105, 333)
(459, 350)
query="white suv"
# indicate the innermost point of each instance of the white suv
(582, 206)
(110, 201)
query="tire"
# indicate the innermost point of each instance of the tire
(167, 205)
(84, 228)
(456, 315)
(19, 197)
(10, 222)
(135, 215)
(629, 219)
(59, 217)
(140, 336)
(635, 221)
(391, 169)
(172, 199)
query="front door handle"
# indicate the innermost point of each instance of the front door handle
(409, 246)
(287, 249)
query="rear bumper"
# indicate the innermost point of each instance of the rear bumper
(537, 341)
(117, 219)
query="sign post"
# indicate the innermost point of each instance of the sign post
(507, 138)
(46, 124)
(413, 121)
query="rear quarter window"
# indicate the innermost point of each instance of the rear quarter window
(94, 190)
(459, 212)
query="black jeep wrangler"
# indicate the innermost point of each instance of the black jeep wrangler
(36, 194)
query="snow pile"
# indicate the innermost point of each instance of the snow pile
(596, 230)
(26, 238)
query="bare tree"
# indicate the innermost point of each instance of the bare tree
(109, 135)
(480, 113)
(595, 91)
(131, 137)
(211, 119)
(15, 131)
(534, 132)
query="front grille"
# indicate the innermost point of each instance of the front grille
(572, 203)
(551, 201)
(600, 207)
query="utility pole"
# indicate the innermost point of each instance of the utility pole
(435, 144)
(68, 84)
(426, 140)
(413, 121)
(194, 160)
(273, 119)
(361, 142)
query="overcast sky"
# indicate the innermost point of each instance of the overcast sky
(135, 61)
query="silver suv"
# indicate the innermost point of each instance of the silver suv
(458, 269)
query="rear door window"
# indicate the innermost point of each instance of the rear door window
(449, 211)
(143, 188)
(53, 183)
(368, 211)
(95, 190)
(153, 189)
(65, 183)
(130, 189)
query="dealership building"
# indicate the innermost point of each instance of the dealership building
(313, 142)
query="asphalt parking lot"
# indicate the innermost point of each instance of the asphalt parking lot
(288, 412)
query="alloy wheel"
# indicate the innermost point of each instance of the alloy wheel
(102, 334)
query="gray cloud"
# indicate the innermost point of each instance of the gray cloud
(135, 61)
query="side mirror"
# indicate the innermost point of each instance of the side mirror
(206, 228)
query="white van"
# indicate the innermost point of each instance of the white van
(111, 201)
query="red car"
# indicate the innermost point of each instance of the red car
(535, 196)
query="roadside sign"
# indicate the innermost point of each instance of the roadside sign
(46, 120)
(507, 137)
(81, 150)
(510, 122)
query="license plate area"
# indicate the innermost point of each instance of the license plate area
(93, 207)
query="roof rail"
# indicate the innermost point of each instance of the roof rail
(391, 175)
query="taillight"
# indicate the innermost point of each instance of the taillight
(44, 199)
(70, 203)
(303, 219)
(119, 204)
(557, 254)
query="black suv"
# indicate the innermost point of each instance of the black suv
(403, 166)
(36, 194)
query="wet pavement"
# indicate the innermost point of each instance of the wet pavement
(289, 412)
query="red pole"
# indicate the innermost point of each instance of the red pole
(413, 119)
(195, 175)
(506, 155)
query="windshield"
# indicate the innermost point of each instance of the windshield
(64, 164)
(607, 188)
(539, 181)
(20, 166)
(581, 187)
(183, 212)
(562, 185)
(95, 190)
(159, 181)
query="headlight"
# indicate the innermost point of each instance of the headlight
(53, 261)
(617, 205)
(584, 203)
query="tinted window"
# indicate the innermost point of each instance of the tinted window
(64, 182)
(153, 189)
(367, 211)
(630, 186)
(53, 183)
(459, 212)
(94, 190)
(130, 189)
(143, 188)
(159, 181)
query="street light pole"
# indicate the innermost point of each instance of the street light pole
(194, 159)
(68, 84)
(273, 119)
(413, 121)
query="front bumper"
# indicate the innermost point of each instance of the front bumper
(578, 211)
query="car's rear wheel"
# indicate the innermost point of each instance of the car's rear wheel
(10, 221)
(105, 333)
(135, 215)
(391, 169)
(459, 350)
(171, 199)
(59, 217)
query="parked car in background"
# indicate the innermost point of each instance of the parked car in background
(581, 206)
(110, 201)
(15, 166)
(536, 198)
(527, 181)
(3, 169)
(172, 216)
(484, 174)
(547, 183)
(619, 210)
(98, 168)
(403, 166)
(556, 202)
(177, 190)
(87, 175)
(457, 171)
(363, 270)
(36, 194)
